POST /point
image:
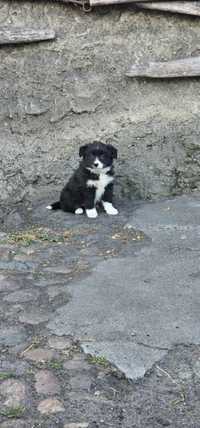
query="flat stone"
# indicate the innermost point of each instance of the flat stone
(36, 109)
(43, 282)
(14, 219)
(184, 372)
(59, 343)
(3, 236)
(14, 392)
(22, 296)
(11, 336)
(46, 383)
(17, 266)
(81, 382)
(58, 269)
(8, 284)
(5, 252)
(55, 291)
(13, 310)
(77, 363)
(17, 368)
(23, 258)
(50, 405)
(77, 425)
(196, 368)
(34, 317)
(39, 355)
(15, 424)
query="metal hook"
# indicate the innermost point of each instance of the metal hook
(86, 7)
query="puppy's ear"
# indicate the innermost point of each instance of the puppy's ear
(113, 151)
(82, 150)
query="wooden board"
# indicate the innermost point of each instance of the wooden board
(107, 2)
(186, 67)
(186, 7)
(11, 35)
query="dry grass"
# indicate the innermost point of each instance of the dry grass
(126, 235)
(35, 235)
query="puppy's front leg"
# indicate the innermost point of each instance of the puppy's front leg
(107, 201)
(90, 209)
(109, 209)
(91, 212)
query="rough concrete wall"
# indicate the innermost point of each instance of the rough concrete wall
(55, 96)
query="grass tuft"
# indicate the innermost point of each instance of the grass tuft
(13, 412)
(101, 361)
(28, 237)
(55, 364)
(6, 375)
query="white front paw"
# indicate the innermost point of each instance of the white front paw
(109, 209)
(79, 211)
(92, 213)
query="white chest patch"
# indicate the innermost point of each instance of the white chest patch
(100, 185)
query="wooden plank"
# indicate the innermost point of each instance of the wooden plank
(14, 35)
(107, 2)
(185, 7)
(185, 67)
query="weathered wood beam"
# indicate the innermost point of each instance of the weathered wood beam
(185, 7)
(179, 6)
(186, 67)
(107, 2)
(14, 35)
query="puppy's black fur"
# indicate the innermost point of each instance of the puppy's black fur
(77, 193)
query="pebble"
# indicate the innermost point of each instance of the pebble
(46, 383)
(50, 405)
(163, 422)
(3, 236)
(77, 425)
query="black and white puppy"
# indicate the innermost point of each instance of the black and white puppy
(91, 183)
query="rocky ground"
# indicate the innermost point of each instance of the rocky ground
(48, 261)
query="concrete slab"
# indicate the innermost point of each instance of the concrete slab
(132, 310)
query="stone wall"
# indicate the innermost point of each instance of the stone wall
(55, 96)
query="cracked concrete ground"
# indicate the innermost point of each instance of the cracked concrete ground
(100, 322)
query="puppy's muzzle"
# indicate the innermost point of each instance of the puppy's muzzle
(98, 164)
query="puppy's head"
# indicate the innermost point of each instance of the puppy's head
(98, 157)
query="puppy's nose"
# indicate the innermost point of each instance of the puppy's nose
(96, 164)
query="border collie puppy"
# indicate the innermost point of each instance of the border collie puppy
(91, 183)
